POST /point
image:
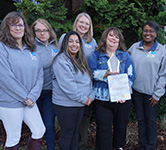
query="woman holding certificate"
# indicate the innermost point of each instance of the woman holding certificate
(110, 113)
(148, 56)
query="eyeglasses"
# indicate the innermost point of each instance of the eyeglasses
(40, 31)
(150, 31)
(14, 26)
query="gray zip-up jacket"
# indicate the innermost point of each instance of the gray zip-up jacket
(21, 76)
(70, 89)
(46, 54)
(150, 69)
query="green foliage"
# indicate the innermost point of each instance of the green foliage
(51, 10)
(132, 115)
(162, 108)
(128, 15)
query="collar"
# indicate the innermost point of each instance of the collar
(153, 48)
(40, 42)
(118, 52)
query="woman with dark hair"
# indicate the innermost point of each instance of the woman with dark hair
(72, 89)
(149, 59)
(20, 83)
(83, 25)
(110, 113)
(47, 48)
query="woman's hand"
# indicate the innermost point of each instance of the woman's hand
(121, 101)
(153, 101)
(110, 73)
(29, 102)
(88, 101)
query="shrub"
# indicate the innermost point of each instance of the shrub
(51, 10)
(128, 15)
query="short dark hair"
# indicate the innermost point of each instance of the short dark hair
(152, 24)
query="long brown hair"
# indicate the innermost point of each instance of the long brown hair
(7, 38)
(116, 31)
(79, 62)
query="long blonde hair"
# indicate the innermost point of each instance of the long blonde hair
(89, 34)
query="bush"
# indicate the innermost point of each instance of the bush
(128, 15)
(51, 10)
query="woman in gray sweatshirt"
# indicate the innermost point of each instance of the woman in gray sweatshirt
(72, 89)
(47, 48)
(21, 81)
(149, 59)
(83, 25)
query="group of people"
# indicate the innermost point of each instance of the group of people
(41, 79)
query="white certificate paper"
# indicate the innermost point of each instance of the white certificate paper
(119, 87)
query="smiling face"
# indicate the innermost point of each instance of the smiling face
(148, 34)
(112, 41)
(83, 25)
(42, 33)
(17, 30)
(73, 45)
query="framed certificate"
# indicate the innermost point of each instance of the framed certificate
(119, 87)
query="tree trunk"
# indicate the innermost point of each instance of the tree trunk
(73, 7)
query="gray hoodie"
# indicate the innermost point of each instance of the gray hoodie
(46, 54)
(21, 76)
(70, 89)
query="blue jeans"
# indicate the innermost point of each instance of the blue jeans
(147, 120)
(48, 115)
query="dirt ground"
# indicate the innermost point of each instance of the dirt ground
(132, 137)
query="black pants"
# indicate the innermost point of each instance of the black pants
(69, 119)
(147, 120)
(83, 128)
(108, 114)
